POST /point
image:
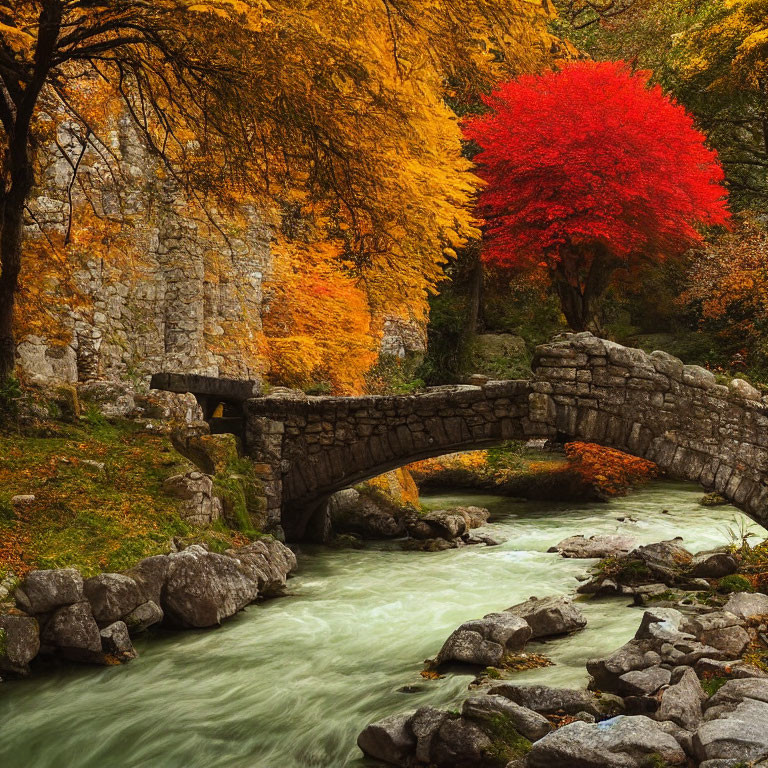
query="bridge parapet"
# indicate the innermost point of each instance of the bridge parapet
(653, 406)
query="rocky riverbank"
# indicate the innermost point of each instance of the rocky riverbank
(58, 614)
(360, 515)
(689, 689)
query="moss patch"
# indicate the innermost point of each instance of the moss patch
(507, 743)
(84, 516)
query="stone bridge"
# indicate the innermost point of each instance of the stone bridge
(583, 388)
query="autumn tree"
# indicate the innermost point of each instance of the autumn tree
(308, 111)
(589, 170)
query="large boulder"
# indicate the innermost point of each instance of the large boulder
(623, 742)
(390, 740)
(665, 559)
(607, 545)
(72, 632)
(730, 695)
(425, 725)
(550, 616)
(681, 703)
(364, 515)
(529, 724)
(19, 642)
(713, 565)
(747, 604)
(740, 735)
(150, 575)
(617, 672)
(268, 562)
(44, 591)
(112, 596)
(485, 641)
(721, 630)
(461, 743)
(202, 588)
(548, 701)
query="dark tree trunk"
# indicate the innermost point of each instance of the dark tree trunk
(11, 228)
(579, 286)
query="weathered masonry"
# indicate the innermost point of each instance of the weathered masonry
(583, 388)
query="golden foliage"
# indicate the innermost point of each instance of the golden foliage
(610, 471)
(317, 326)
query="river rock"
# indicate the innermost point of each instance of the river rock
(267, 561)
(355, 512)
(389, 740)
(112, 596)
(610, 545)
(485, 641)
(202, 588)
(623, 742)
(609, 672)
(425, 725)
(19, 642)
(736, 669)
(150, 575)
(681, 703)
(666, 559)
(461, 743)
(73, 632)
(730, 695)
(547, 701)
(526, 722)
(747, 604)
(45, 590)
(550, 616)
(143, 616)
(642, 682)
(739, 735)
(713, 565)
(721, 630)
(116, 642)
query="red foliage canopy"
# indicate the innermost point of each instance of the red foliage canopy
(591, 163)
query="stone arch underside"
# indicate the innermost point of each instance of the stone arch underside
(583, 388)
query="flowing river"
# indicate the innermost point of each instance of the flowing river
(290, 683)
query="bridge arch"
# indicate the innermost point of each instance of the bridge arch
(583, 388)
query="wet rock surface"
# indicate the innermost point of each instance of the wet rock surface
(92, 621)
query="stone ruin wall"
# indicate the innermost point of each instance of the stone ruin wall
(169, 310)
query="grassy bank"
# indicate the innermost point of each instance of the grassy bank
(99, 502)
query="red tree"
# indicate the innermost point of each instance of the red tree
(589, 170)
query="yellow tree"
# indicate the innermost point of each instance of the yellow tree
(330, 113)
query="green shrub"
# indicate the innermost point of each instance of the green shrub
(734, 583)
(713, 685)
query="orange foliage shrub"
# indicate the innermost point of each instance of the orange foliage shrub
(611, 472)
(398, 485)
(317, 327)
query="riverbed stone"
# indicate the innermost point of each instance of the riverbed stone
(526, 722)
(390, 740)
(72, 632)
(485, 641)
(728, 668)
(721, 630)
(734, 692)
(150, 575)
(460, 743)
(665, 559)
(643, 682)
(112, 596)
(19, 642)
(549, 616)
(738, 735)
(116, 642)
(143, 616)
(203, 588)
(267, 561)
(425, 725)
(622, 742)
(681, 703)
(547, 700)
(45, 590)
(713, 565)
(747, 604)
(606, 545)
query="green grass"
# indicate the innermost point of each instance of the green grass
(83, 517)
